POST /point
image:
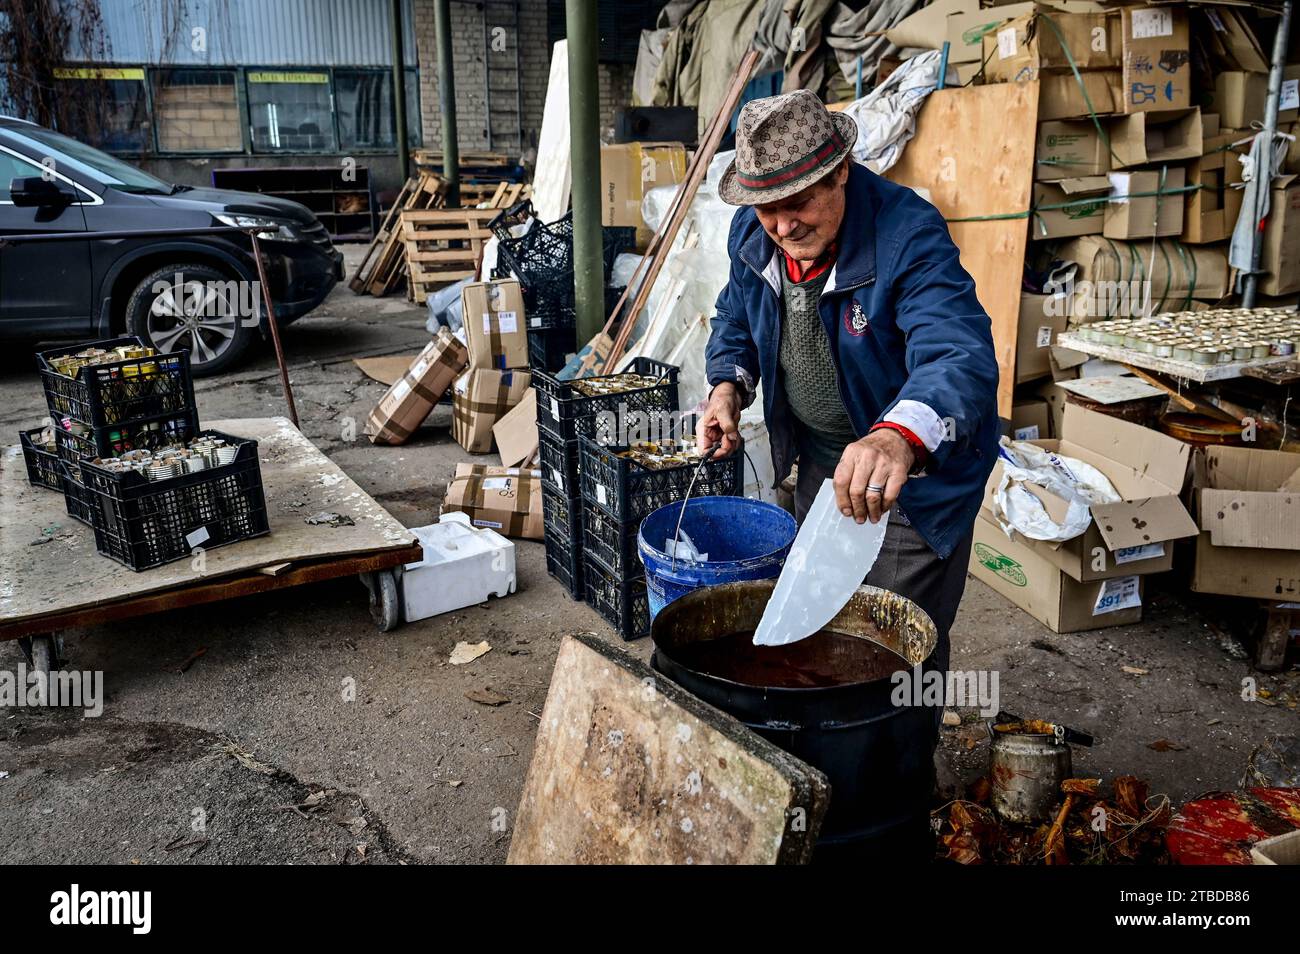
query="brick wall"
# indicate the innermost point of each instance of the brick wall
(470, 53)
(197, 118)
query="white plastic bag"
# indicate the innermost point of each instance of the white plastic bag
(1079, 484)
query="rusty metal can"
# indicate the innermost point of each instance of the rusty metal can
(1027, 771)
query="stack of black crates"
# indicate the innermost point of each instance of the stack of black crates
(593, 499)
(542, 259)
(141, 403)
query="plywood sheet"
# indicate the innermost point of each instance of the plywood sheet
(66, 573)
(974, 152)
(629, 768)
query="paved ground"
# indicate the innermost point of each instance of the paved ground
(252, 754)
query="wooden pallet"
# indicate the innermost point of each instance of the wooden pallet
(442, 246)
(382, 264)
(433, 158)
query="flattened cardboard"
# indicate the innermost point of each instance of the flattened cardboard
(505, 499)
(1026, 578)
(1281, 258)
(516, 432)
(966, 31)
(927, 28)
(408, 402)
(495, 325)
(1157, 68)
(1145, 138)
(1068, 149)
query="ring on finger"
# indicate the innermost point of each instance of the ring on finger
(875, 489)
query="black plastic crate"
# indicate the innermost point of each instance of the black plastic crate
(143, 523)
(558, 461)
(77, 499)
(107, 395)
(42, 465)
(506, 219)
(610, 543)
(562, 534)
(628, 491)
(622, 602)
(549, 350)
(86, 442)
(565, 413)
(549, 302)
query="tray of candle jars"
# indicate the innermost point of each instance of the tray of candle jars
(150, 507)
(1208, 345)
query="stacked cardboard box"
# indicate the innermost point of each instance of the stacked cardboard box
(497, 379)
(505, 499)
(1095, 579)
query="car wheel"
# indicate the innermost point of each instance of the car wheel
(194, 308)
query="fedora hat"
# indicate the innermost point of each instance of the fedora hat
(784, 144)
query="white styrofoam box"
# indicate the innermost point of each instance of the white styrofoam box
(462, 565)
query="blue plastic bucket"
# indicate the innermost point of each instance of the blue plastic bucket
(744, 539)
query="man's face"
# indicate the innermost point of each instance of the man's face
(806, 223)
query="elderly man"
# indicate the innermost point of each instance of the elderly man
(848, 301)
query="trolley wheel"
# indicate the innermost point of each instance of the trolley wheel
(42, 652)
(385, 606)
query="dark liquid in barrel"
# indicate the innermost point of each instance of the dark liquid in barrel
(823, 659)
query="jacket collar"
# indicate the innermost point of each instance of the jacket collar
(856, 263)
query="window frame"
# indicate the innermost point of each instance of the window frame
(241, 106)
(414, 137)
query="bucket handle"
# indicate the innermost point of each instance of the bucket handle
(704, 459)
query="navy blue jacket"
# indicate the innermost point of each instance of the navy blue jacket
(904, 325)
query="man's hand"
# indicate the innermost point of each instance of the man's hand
(871, 473)
(720, 422)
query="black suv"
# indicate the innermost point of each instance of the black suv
(193, 292)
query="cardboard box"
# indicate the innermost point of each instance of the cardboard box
(1205, 209)
(1069, 149)
(1069, 207)
(1250, 530)
(627, 172)
(1135, 535)
(1146, 138)
(480, 398)
(1240, 97)
(966, 31)
(494, 324)
(1027, 46)
(505, 499)
(1060, 95)
(1042, 318)
(408, 402)
(516, 432)
(1230, 44)
(1029, 420)
(1281, 258)
(927, 28)
(1044, 592)
(1157, 67)
(1136, 211)
(1055, 396)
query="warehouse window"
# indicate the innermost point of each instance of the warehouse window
(106, 107)
(197, 111)
(364, 108)
(290, 111)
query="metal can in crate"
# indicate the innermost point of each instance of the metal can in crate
(562, 535)
(41, 459)
(143, 523)
(629, 491)
(569, 409)
(140, 385)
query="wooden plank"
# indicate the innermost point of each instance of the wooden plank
(628, 768)
(974, 152)
(298, 481)
(421, 216)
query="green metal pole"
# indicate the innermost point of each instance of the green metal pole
(584, 143)
(447, 101)
(399, 90)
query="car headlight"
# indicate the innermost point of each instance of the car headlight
(269, 229)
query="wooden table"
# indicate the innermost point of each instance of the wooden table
(50, 586)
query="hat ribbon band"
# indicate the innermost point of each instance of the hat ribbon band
(800, 167)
